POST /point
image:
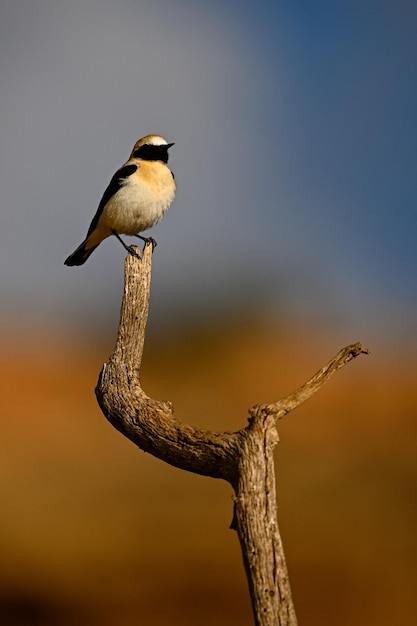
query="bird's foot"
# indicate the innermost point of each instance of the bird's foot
(149, 241)
(132, 250)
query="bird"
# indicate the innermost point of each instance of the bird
(137, 198)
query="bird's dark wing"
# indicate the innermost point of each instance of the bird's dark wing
(114, 185)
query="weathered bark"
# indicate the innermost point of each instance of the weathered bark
(243, 458)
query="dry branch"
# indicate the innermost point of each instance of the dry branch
(243, 458)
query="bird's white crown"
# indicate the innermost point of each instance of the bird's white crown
(151, 140)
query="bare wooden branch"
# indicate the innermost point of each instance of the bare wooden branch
(243, 458)
(150, 423)
(303, 393)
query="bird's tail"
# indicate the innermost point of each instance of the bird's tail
(81, 254)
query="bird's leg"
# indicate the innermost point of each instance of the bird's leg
(129, 249)
(148, 240)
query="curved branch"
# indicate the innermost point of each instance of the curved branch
(150, 423)
(243, 458)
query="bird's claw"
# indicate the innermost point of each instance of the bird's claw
(132, 250)
(149, 241)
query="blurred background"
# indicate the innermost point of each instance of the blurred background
(293, 233)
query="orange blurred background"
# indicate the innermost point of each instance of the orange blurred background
(95, 531)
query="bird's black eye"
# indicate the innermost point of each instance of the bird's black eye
(148, 152)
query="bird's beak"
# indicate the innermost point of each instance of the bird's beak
(169, 145)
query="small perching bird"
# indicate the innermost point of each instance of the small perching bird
(136, 199)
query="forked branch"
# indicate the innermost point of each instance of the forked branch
(243, 458)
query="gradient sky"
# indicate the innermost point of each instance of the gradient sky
(295, 156)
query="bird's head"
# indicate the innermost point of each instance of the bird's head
(151, 148)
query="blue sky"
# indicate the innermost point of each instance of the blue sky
(295, 156)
